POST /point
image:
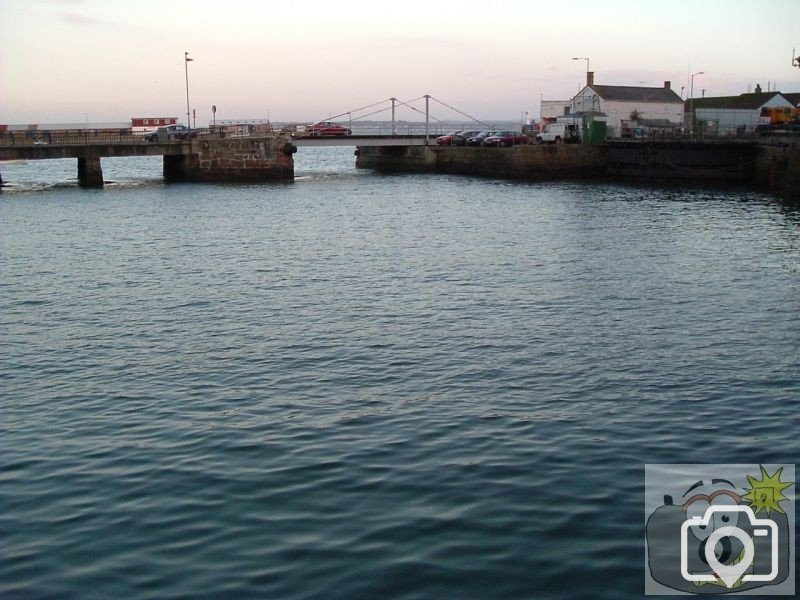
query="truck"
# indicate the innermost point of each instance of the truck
(776, 120)
(558, 133)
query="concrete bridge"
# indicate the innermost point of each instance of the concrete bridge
(205, 158)
(214, 158)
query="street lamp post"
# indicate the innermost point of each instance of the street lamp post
(691, 102)
(186, 61)
(587, 66)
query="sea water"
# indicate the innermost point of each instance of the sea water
(361, 385)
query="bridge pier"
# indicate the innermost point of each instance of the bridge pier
(235, 160)
(90, 172)
(175, 167)
(212, 159)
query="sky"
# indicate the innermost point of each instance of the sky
(68, 61)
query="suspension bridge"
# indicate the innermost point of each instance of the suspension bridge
(418, 132)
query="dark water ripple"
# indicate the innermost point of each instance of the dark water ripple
(360, 386)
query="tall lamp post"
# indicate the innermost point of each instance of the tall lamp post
(691, 102)
(587, 66)
(186, 61)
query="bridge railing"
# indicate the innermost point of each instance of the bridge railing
(70, 137)
(79, 137)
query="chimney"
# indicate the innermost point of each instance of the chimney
(667, 85)
(758, 88)
(589, 77)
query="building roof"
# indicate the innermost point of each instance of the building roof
(741, 102)
(632, 93)
(793, 97)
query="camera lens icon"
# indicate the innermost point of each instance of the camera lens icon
(725, 568)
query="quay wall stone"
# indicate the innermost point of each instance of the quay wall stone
(777, 171)
(242, 159)
(774, 168)
(540, 162)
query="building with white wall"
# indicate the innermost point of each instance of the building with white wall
(622, 102)
(550, 110)
(728, 115)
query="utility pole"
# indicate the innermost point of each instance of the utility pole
(691, 102)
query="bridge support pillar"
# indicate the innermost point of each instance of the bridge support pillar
(90, 173)
(243, 159)
(175, 167)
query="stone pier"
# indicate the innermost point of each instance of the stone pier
(232, 160)
(560, 161)
(90, 172)
(210, 159)
(777, 171)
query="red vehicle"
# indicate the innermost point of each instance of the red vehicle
(328, 128)
(447, 139)
(503, 139)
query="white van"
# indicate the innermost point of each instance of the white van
(557, 133)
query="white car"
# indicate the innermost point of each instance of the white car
(558, 133)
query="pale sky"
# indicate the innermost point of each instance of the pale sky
(303, 60)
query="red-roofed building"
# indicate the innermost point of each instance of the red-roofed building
(151, 123)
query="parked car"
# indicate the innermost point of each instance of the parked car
(559, 133)
(460, 139)
(503, 139)
(329, 129)
(447, 139)
(168, 133)
(201, 133)
(477, 139)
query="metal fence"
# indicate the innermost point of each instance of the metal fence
(86, 137)
(74, 137)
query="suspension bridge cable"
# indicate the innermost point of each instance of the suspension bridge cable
(461, 113)
(375, 112)
(406, 104)
(418, 110)
(398, 102)
(349, 112)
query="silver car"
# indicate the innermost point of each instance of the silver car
(168, 133)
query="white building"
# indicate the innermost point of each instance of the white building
(623, 102)
(727, 115)
(550, 110)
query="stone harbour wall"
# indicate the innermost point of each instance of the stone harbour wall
(234, 160)
(773, 168)
(777, 171)
(534, 162)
